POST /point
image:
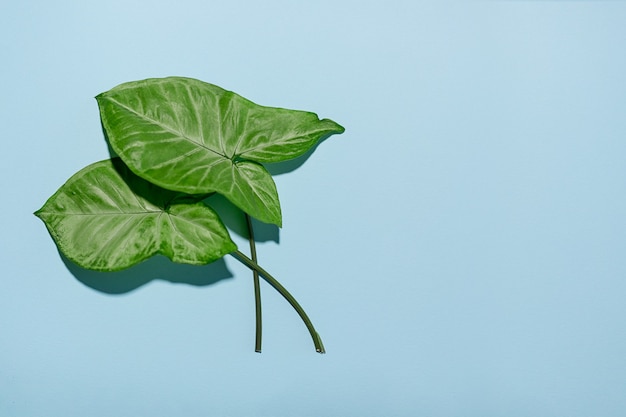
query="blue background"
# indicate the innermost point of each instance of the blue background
(460, 247)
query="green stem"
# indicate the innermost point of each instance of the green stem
(257, 287)
(317, 340)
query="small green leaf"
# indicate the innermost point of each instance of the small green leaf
(106, 218)
(186, 135)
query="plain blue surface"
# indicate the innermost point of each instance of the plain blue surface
(461, 248)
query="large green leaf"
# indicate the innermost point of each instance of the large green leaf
(190, 136)
(106, 218)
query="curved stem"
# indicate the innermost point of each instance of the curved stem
(257, 287)
(317, 340)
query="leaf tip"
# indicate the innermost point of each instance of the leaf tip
(334, 128)
(278, 220)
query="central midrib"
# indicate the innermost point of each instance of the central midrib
(165, 127)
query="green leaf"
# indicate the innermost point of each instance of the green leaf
(190, 136)
(106, 218)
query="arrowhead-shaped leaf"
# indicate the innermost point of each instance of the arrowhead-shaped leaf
(186, 135)
(106, 218)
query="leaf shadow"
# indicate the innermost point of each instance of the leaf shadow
(285, 167)
(234, 219)
(156, 268)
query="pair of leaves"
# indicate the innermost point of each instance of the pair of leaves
(178, 139)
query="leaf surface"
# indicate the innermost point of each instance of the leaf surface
(106, 218)
(190, 136)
